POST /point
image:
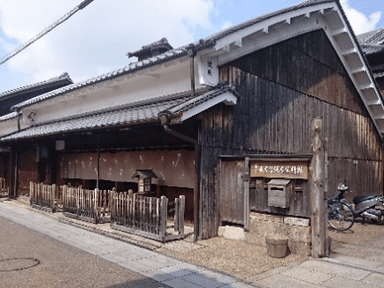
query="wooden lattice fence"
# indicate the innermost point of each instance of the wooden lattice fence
(146, 216)
(44, 197)
(4, 191)
(88, 205)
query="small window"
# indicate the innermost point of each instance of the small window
(147, 185)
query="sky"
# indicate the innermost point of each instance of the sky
(96, 39)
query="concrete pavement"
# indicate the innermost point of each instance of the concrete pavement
(32, 259)
(349, 265)
(168, 271)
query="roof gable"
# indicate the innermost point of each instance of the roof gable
(309, 16)
(262, 32)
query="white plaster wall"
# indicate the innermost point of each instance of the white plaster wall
(150, 83)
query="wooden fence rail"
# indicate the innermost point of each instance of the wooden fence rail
(4, 191)
(146, 216)
(88, 205)
(43, 196)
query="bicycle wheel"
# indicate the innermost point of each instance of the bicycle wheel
(340, 216)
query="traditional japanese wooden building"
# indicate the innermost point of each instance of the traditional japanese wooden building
(221, 121)
(8, 121)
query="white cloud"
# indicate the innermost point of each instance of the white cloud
(359, 21)
(96, 39)
(226, 25)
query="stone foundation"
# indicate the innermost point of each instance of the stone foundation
(297, 230)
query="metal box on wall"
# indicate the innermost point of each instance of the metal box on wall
(279, 193)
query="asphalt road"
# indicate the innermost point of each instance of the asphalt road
(31, 259)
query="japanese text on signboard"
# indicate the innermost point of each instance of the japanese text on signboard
(279, 170)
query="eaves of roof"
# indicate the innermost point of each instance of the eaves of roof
(378, 74)
(199, 99)
(376, 38)
(372, 49)
(365, 37)
(147, 111)
(8, 116)
(254, 21)
(62, 79)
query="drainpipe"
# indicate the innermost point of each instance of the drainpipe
(192, 54)
(98, 161)
(18, 119)
(165, 123)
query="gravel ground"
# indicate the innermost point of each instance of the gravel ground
(358, 234)
(236, 258)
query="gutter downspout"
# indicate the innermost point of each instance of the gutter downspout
(98, 161)
(18, 119)
(165, 123)
(192, 54)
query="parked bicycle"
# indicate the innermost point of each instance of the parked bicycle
(340, 214)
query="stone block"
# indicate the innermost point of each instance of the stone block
(300, 234)
(221, 231)
(296, 221)
(266, 217)
(234, 233)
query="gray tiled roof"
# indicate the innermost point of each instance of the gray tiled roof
(253, 21)
(137, 113)
(199, 99)
(8, 116)
(372, 49)
(167, 56)
(162, 43)
(372, 42)
(379, 74)
(39, 85)
(131, 68)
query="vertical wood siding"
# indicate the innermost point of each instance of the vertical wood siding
(283, 88)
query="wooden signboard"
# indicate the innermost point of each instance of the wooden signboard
(279, 169)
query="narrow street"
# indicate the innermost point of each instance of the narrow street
(32, 259)
(38, 251)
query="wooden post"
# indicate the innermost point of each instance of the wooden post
(318, 198)
(53, 196)
(31, 193)
(196, 193)
(181, 214)
(96, 206)
(246, 194)
(163, 217)
(176, 217)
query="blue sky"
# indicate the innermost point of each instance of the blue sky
(96, 39)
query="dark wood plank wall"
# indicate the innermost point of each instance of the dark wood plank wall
(27, 168)
(3, 164)
(283, 88)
